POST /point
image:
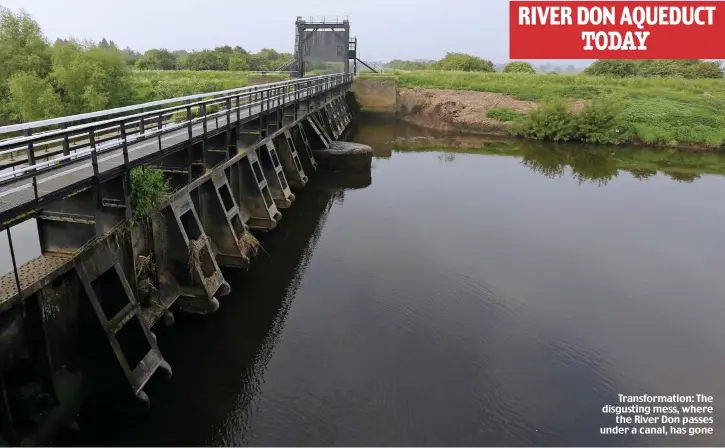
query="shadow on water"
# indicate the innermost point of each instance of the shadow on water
(219, 360)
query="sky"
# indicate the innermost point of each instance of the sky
(386, 29)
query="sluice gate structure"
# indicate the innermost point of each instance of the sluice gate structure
(77, 320)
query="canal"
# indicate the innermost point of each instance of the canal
(471, 292)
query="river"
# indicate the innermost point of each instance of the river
(491, 293)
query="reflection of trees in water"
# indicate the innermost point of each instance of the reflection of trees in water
(594, 165)
(642, 173)
(680, 176)
(447, 157)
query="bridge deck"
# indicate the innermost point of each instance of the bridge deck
(77, 174)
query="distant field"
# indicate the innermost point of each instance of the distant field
(667, 111)
(163, 84)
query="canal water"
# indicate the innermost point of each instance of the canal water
(469, 292)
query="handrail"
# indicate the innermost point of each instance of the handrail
(262, 88)
(90, 150)
(69, 119)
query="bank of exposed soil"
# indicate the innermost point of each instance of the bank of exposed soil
(457, 110)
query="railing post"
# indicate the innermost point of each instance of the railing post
(94, 155)
(31, 162)
(203, 142)
(203, 115)
(228, 133)
(159, 126)
(141, 124)
(96, 183)
(189, 146)
(239, 112)
(124, 143)
(188, 119)
(12, 257)
(66, 143)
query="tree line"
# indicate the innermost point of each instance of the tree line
(42, 80)
(688, 68)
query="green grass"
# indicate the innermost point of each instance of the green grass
(153, 85)
(502, 114)
(663, 111)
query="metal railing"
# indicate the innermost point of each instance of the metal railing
(64, 141)
(324, 19)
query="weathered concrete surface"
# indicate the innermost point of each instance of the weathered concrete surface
(345, 156)
(376, 94)
(92, 317)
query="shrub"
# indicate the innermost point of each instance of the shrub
(552, 121)
(618, 68)
(519, 67)
(502, 114)
(148, 190)
(599, 122)
(463, 63)
(656, 68)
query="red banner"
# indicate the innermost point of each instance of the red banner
(617, 30)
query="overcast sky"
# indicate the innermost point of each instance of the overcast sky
(386, 29)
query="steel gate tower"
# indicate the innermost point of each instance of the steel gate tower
(322, 39)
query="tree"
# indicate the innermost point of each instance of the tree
(104, 43)
(33, 98)
(703, 69)
(257, 63)
(398, 64)
(156, 59)
(23, 47)
(657, 68)
(130, 56)
(618, 68)
(464, 63)
(519, 67)
(238, 62)
(205, 60)
(89, 78)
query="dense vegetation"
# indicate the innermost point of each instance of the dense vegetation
(397, 64)
(149, 189)
(664, 111)
(519, 67)
(463, 63)
(41, 80)
(687, 68)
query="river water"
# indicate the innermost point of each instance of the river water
(486, 294)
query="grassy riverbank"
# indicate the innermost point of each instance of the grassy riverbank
(660, 111)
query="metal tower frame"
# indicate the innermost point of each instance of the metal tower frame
(332, 23)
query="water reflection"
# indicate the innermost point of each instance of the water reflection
(584, 163)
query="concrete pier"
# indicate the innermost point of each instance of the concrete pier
(82, 319)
